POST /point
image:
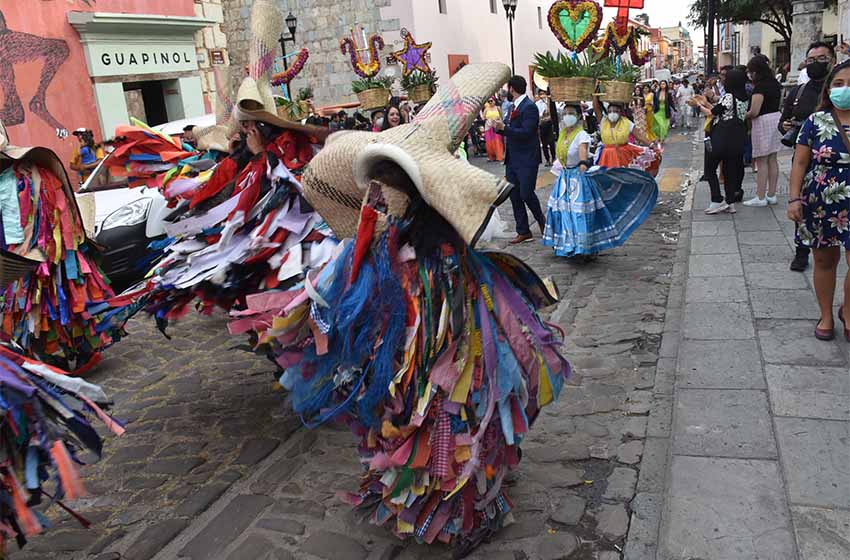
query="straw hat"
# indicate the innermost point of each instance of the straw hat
(336, 180)
(217, 137)
(254, 100)
(42, 157)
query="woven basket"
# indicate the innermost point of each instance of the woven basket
(373, 98)
(617, 92)
(572, 89)
(420, 94)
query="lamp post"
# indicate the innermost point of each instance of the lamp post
(709, 43)
(291, 22)
(510, 13)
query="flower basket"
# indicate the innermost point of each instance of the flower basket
(617, 92)
(420, 94)
(572, 89)
(373, 98)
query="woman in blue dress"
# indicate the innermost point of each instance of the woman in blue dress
(820, 195)
(592, 210)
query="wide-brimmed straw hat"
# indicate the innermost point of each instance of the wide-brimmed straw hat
(336, 180)
(254, 99)
(42, 157)
(217, 137)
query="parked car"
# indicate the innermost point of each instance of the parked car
(126, 221)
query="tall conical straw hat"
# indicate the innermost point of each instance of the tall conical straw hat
(255, 98)
(335, 181)
(217, 137)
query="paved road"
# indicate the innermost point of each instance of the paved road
(213, 465)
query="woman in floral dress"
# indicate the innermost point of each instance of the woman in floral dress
(820, 195)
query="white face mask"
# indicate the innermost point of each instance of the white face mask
(613, 117)
(570, 120)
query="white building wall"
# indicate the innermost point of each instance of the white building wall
(469, 28)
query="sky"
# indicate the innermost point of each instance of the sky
(663, 13)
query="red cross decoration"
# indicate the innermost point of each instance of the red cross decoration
(623, 7)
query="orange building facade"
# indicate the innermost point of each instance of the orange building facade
(93, 64)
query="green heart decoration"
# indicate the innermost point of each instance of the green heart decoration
(575, 22)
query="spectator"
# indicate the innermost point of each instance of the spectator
(727, 140)
(86, 155)
(802, 100)
(685, 93)
(547, 131)
(392, 119)
(377, 120)
(189, 135)
(764, 115)
(818, 181)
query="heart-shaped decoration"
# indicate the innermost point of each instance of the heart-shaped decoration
(575, 22)
(618, 41)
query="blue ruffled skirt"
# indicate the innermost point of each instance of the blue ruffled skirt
(597, 210)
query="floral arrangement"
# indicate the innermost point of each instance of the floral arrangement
(383, 82)
(575, 23)
(289, 74)
(563, 66)
(418, 78)
(305, 93)
(611, 69)
(364, 69)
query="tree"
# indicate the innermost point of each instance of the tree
(776, 14)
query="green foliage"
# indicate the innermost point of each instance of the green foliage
(305, 93)
(776, 14)
(563, 66)
(626, 73)
(378, 82)
(417, 78)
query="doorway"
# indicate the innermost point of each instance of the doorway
(146, 101)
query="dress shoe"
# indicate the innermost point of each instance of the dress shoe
(521, 238)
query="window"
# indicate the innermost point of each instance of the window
(494, 6)
(441, 4)
(539, 17)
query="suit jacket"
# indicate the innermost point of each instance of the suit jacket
(522, 145)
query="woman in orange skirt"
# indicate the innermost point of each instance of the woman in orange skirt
(616, 151)
(495, 144)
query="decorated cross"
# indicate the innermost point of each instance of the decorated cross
(623, 7)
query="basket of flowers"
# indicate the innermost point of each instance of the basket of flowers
(420, 86)
(373, 93)
(570, 78)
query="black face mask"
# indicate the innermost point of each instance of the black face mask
(817, 70)
(510, 96)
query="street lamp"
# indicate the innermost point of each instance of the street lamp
(291, 22)
(510, 13)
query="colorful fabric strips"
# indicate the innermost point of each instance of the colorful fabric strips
(44, 426)
(46, 314)
(438, 362)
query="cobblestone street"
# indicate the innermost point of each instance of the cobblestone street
(213, 464)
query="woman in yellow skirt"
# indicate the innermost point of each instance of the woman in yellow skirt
(649, 98)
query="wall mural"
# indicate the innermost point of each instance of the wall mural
(17, 47)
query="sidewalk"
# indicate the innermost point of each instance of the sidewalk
(758, 465)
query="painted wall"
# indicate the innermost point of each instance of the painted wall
(44, 82)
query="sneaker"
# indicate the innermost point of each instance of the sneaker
(716, 208)
(730, 209)
(772, 200)
(756, 201)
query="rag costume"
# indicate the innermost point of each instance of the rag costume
(45, 412)
(47, 313)
(431, 351)
(589, 212)
(243, 226)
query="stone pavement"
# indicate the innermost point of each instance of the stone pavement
(759, 454)
(214, 466)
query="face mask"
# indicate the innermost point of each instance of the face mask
(570, 120)
(379, 122)
(613, 117)
(817, 70)
(840, 97)
(510, 97)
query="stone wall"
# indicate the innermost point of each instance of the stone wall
(321, 23)
(210, 38)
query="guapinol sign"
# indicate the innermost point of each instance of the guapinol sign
(116, 59)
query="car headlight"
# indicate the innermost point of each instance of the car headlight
(129, 215)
